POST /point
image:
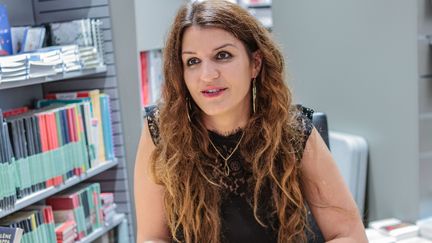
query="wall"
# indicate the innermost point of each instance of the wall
(125, 46)
(137, 25)
(153, 21)
(357, 61)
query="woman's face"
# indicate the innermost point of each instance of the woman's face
(217, 71)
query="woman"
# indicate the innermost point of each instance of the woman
(227, 157)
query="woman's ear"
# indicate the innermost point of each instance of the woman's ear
(256, 63)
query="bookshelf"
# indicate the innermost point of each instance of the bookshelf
(53, 78)
(112, 175)
(117, 220)
(40, 195)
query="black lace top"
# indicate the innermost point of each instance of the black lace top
(238, 221)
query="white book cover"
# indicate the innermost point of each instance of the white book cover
(17, 34)
(5, 70)
(72, 32)
(396, 228)
(21, 58)
(375, 236)
(14, 73)
(33, 38)
(14, 78)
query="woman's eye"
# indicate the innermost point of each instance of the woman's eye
(192, 61)
(223, 55)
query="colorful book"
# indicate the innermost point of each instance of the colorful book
(94, 95)
(5, 32)
(10, 235)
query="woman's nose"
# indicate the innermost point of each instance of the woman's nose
(209, 71)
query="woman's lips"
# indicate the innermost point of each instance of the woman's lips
(213, 92)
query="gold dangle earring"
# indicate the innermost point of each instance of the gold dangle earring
(188, 108)
(254, 95)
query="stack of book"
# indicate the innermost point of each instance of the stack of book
(7, 168)
(45, 62)
(13, 68)
(47, 147)
(71, 58)
(66, 231)
(67, 217)
(90, 57)
(54, 59)
(81, 204)
(393, 229)
(101, 109)
(77, 44)
(37, 223)
(375, 236)
(87, 34)
(108, 206)
(68, 134)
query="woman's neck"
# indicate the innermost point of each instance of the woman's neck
(226, 124)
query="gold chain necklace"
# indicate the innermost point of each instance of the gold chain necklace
(226, 167)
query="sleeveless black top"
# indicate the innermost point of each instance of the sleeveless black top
(238, 221)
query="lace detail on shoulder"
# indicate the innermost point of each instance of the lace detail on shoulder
(304, 116)
(152, 115)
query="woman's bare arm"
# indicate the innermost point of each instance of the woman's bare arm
(328, 196)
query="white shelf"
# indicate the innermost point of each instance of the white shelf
(52, 78)
(101, 231)
(37, 196)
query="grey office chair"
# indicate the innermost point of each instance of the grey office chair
(319, 120)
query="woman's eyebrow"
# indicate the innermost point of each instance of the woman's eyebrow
(215, 49)
(224, 45)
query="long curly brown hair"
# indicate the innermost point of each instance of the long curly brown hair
(272, 144)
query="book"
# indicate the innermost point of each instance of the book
(5, 33)
(17, 34)
(26, 220)
(87, 34)
(107, 198)
(375, 236)
(87, 118)
(8, 193)
(106, 126)
(94, 95)
(33, 38)
(10, 235)
(395, 228)
(13, 68)
(81, 204)
(65, 231)
(72, 32)
(48, 226)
